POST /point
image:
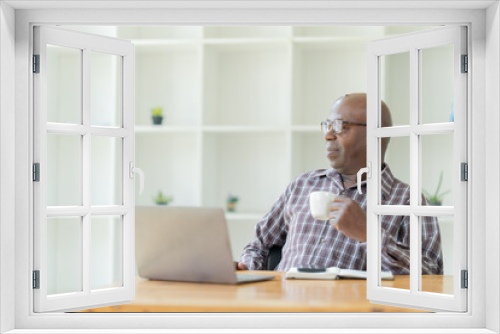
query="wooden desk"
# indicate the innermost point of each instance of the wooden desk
(278, 295)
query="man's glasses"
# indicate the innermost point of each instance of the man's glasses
(337, 126)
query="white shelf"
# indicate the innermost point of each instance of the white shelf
(144, 129)
(244, 216)
(334, 39)
(140, 129)
(341, 41)
(247, 32)
(141, 43)
(243, 129)
(160, 32)
(306, 128)
(250, 42)
(171, 163)
(332, 43)
(249, 165)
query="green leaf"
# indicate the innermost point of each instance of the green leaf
(157, 111)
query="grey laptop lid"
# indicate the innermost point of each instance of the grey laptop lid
(183, 244)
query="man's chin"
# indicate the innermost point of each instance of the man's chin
(335, 165)
(338, 167)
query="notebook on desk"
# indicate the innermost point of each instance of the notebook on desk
(333, 273)
(189, 244)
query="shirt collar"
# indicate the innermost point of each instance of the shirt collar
(386, 176)
(386, 180)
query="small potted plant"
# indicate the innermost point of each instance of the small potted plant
(161, 199)
(231, 203)
(157, 115)
(437, 198)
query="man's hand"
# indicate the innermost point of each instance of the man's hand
(240, 266)
(350, 218)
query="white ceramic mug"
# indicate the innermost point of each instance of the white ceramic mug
(320, 203)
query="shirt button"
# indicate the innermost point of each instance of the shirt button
(323, 240)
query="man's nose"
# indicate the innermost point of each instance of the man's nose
(330, 135)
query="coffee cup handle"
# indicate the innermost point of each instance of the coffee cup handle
(361, 172)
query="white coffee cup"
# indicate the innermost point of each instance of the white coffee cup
(320, 203)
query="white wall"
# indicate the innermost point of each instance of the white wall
(7, 159)
(492, 159)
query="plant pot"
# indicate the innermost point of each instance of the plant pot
(231, 206)
(436, 203)
(161, 203)
(157, 120)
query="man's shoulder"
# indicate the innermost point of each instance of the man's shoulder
(393, 187)
(307, 177)
(397, 183)
(306, 180)
(312, 174)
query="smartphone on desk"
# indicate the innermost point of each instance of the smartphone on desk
(311, 270)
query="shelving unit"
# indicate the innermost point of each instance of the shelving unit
(242, 107)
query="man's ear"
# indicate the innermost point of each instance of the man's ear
(384, 144)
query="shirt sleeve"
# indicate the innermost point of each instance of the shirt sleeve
(270, 231)
(396, 249)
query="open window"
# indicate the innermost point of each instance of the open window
(429, 70)
(80, 142)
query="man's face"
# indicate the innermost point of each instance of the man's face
(347, 150)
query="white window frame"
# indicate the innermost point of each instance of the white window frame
(86, 44)
(483, 50)
(413, 44)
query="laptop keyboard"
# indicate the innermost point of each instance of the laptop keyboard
(241, 278)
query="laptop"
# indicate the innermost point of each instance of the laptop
(189, 244)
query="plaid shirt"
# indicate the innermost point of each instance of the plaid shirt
(314, 243)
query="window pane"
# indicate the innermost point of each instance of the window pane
(106, 172)
(397, 159)
(64, 255)
(106, 248)
(106, 89)
(437, 84)
(437, 275)
(395, 86)
(64, 170)
(64, 85)
(437, 168)
(395, 233)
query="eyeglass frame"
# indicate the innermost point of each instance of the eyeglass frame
(330, 125)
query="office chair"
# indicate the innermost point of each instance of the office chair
(274, 257)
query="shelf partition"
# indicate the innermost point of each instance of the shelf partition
(242, 107)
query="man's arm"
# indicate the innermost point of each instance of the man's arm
(269, 231)
(396, 249)
(395, 253)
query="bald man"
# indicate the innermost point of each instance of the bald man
(311, 243)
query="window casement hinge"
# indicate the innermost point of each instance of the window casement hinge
(465, 64)
(36, 63)
(36, 172)
(464, 171)
(465, 279)
(36, 279)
